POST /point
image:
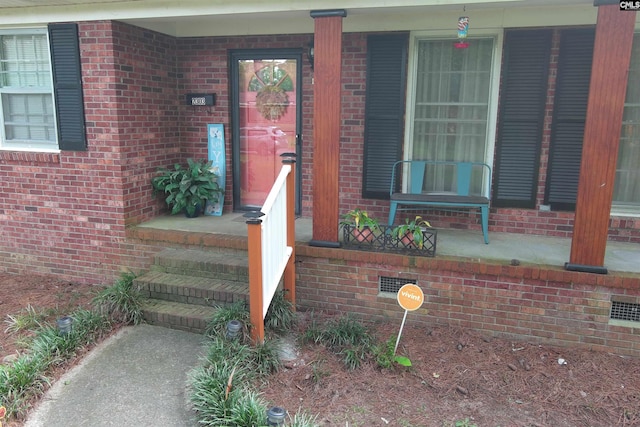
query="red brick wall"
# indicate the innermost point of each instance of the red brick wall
(539, 303)
(66, 213)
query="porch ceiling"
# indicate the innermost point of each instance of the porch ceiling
(192, 18)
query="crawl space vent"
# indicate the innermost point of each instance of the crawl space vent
(625, 311)
(391, 285)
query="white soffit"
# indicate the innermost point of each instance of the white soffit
(194, 18)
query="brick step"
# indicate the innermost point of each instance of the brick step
(175, 315)
(223, 264)
(196, 290)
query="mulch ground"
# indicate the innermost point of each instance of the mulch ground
(459, 375)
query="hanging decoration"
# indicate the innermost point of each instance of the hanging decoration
(272, 102)
(463, 30)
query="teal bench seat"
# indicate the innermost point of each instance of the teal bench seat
(466, 178)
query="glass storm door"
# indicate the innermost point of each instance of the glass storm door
(266, 122)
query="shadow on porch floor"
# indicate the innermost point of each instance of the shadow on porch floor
(621, 257)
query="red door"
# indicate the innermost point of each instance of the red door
(266, 125)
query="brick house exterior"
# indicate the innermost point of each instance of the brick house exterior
(70, 213)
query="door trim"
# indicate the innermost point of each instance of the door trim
(260, 54)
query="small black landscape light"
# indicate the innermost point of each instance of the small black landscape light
(64, 325)
(275, 416)
(233, 329)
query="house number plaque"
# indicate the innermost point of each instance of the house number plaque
(201, 99)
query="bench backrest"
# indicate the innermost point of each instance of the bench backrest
(415, 171)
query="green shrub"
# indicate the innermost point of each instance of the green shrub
(26, 377)
(217, 326)
(265, 357)
(220, 398)
(280, 316)
(121, 301)
(26, 320)
(221, 391)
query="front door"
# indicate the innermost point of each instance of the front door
(266, 103)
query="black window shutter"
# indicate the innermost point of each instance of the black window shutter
(384, 111)
(569, 115)
(67, 86)
(522, 101)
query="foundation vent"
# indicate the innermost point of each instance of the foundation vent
(625, 311)
(391, 285)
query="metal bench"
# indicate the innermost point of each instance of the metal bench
(470, 187)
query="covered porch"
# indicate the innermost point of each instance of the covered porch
(467, 244)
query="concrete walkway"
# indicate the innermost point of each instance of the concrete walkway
(136, 378)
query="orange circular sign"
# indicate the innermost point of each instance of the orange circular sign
(410, 297)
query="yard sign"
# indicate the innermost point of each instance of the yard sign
(410, 297)
(215, 133)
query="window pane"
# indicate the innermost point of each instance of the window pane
(24, 61)
(451, 103)
(627, 186)
(26, 93)
(28, 117)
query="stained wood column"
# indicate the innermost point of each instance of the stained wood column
(326, 125)
(609, 73)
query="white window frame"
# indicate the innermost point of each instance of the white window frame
(492, 113)
(29, 146)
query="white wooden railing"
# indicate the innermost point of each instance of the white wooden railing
(271, 247)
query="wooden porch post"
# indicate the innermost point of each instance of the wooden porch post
(326, 125)
(609, 73)
(255, 279)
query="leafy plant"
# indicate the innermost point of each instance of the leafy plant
(121, 301)
(187, 188)
(360, 219)
(385, 357)
(412, 229)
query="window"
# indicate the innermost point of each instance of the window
(41, 103)
(626, 193)
(451, 104)
(28, 119)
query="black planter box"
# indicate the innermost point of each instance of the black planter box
(382, 240)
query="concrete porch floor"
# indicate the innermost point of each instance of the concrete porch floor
(619, 257)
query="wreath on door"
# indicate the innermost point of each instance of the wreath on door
(272, 102)
(272, 82)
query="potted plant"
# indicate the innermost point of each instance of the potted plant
(361, 225)
(411, 233)
(187, 189)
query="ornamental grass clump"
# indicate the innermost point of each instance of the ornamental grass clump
(26, 378)
(349, 338)
(122, 302)
(222, 388)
